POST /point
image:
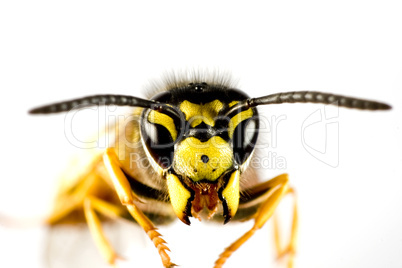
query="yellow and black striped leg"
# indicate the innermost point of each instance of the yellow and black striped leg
(127, 198)
(277, 188)
(92, 204)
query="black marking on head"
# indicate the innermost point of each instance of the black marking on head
(209, 92)
(198, 87)
(204, 158)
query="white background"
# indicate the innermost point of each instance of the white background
(350, 215)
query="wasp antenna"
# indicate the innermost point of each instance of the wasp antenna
(318, 97)
(308, 97)
(119, 100)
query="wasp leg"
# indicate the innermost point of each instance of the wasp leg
(90, 205)
(127, 198)
(67, 203)
(277, 188)
(70, 202)
(290, 249)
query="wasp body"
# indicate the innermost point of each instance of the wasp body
(184, 153)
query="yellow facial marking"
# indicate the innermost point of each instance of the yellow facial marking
(198, 113)
(203, 160)
(231, 193)
(164, 120)
(178, 194)
(237, 119)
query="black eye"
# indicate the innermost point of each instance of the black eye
(160, 133)
(244, 139)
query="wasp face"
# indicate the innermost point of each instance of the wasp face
(198, 137)
(201, 152)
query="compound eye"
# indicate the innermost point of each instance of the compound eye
(160, 133)
(244, 138)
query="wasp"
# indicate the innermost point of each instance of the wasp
(196, 137)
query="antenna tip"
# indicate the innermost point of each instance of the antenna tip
(386, 107)
(50, 109)
(34, 111)
(378, 106)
